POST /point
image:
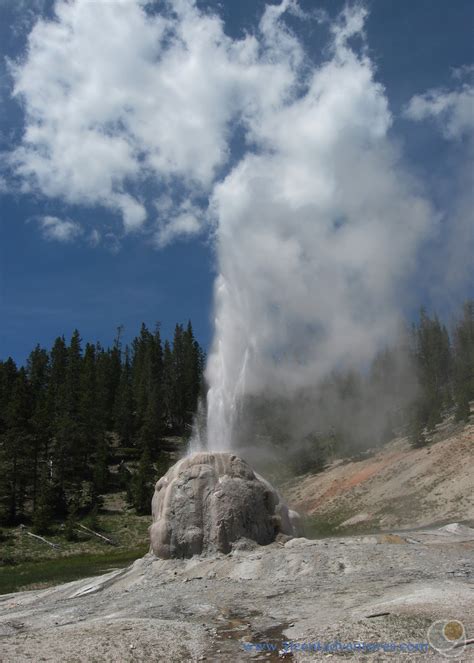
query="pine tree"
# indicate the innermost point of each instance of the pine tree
(141, 354)
(8, 376)
(16, 445)
(464, 362)
(434, 364)
(142, 483)
(152, 418)
(69, 430)
(57, 381)
(124, 405)
(179, 380)
(100, 470)
(44, 511)
(70, 525)
(192, 372)
(38, 370)
(57, 407)
(416, 433)
(168, 386)
(103, 396)
(89, 419)
(73, 375)
(115, 369)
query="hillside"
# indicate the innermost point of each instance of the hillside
(394, 487)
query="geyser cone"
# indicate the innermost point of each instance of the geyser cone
(207, 501)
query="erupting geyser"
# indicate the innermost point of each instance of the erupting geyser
(318, 223)
(208, 501)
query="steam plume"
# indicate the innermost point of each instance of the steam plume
(318, 229)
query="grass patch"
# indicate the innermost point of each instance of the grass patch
(321, 526)
(47, 572)
(26, 563)
(128, 530)
(324, 525)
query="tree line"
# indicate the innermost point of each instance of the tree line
(78, 421)
(75, 410)
(444, 370)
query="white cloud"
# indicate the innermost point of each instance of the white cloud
(147, 96)
(133, 212)
(452, 109)
(59, 230)
(182, 225)
(187, 222)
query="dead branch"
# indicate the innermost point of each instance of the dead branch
(91, 531)
(40, 538)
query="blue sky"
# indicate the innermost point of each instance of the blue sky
(93, 275)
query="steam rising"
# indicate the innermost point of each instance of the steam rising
(318, 228)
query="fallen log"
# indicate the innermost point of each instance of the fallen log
(40, 538)
(91, 531)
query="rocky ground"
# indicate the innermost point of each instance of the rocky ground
(381, 588)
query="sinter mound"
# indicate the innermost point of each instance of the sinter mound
(207, 501)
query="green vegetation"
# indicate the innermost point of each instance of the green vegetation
(463, 362)
(77, 424)
(43, 573)
(84, 434)
(26, 562)
(445, 372)
(320, 526)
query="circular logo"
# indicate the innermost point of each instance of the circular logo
(447, 637)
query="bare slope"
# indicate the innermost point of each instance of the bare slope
(396, 487)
